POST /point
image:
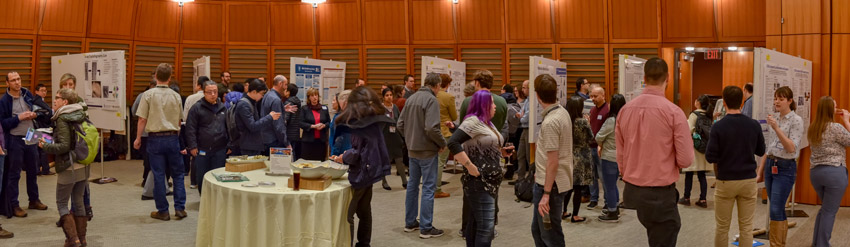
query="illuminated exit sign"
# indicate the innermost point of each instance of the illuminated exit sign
(714, 54)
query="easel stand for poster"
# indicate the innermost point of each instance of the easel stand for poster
(793, 212)
(103, 179)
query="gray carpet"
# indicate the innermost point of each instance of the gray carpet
(122, 219)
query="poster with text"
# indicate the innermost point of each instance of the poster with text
(101, 83)
(541, 66)
(772, 70)
(630, 77)
(456, 70)
(201, 67)
(324, 75)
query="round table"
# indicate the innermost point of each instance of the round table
(232, 215)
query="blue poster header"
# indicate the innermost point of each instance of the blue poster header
(307, 69)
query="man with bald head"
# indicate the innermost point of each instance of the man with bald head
(273, 102)
(598, 114)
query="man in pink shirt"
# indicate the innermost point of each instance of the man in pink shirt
(653, 143)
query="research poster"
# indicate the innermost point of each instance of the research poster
(325, 75)
(201, 67)
(630, 76)
(101, 83)
(540, 66)
(772, 70)
(456, 70)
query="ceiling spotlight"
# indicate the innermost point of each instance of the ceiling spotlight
(689, 48)
(314, 2)
(733, 48)
(181, 2)
(455, 1)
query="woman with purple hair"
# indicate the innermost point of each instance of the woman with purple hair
(477, 146)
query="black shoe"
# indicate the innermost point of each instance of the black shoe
(444, 183)
(146, 198)
(574, 220)
(592, 205)
(412, 228)
(404, 185)
(610, 217)
(386, 186)
(431, 233)
(89, 213)
(170, 193)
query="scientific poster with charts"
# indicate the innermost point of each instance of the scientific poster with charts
(539, 66)
(772, 70)
(101, 83)
(325, 75)
(630, 77)
(456, 70)
(200, 67)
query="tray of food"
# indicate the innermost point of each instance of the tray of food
(245, 159)
(312, 169)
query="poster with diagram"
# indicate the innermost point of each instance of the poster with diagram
(540, 66)
(456, 70)
(200, 67)
(772, 70)
(325, 75)
(101, 83)
(630, 76)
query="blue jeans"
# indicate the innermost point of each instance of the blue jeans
(830, 182)
(164, 153)
(207, 162)
(2, 168)
(597, 173)
(779, 185)
(480, 229)
(554, 236)
(425, 169)
(21, 157)
(610, 175)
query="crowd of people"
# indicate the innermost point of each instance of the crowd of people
(646, 142)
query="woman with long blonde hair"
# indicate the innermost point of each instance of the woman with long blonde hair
(828, 140)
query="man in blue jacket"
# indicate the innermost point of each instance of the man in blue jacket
(249, 120)
(272, 102)
(17, 116)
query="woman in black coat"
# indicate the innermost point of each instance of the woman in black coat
(393, 139)
(314, 126)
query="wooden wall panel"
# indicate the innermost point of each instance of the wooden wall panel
(840, 16)
(585, 60)
(112, 19)
(339, 22)
(385, 64)
(688, 21)
(773, 17)
(581, 21)
(17, 53)
(839, 77)
(737, 68)
(484, 57)
(518, 61)
(801, 16)
(431, 22)
(645, 51)
(158, 21)
(146, 56)
(245, 62)
(292, 24)
(188, 54)
(481, 21)
(247, 23)
(440, 51)
(634, 21)
(385, 22)
(351, 55)
(65, 17)
(281, 57)
(93, 45)
(53, 46)
(741, 20)
(528, 21)
(203, 22)
(19, 16)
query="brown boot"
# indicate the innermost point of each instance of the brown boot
(70, 229)
(6, 234)
(82, 222)
(778, 230)
(19, 212)
(37, 205)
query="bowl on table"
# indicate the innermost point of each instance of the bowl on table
(336, 170)
(309, 168)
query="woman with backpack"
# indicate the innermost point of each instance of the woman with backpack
(72, 177)
(364, 118)
(700, 123)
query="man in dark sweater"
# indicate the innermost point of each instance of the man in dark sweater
(731, 145)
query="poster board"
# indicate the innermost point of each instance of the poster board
(201, 67)
(456, 70)
(539, 66)
(630, 77)
(772, 70)
(101, 82)
(328, 76)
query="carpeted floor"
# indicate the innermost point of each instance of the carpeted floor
(122, 219)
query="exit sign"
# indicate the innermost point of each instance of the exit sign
(713, 54)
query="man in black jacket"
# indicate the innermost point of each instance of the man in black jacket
(43, 112)
(292, 118)
(251, 124)
(206, 133)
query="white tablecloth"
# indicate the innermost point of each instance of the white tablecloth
(232, 215)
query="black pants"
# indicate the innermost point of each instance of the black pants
(577, 190)
(43, 163)
(513, 161)
(296, 149)
(657, 212)
(315, 150)
(703, 184)
(361, 205)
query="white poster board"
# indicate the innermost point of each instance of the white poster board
(325, 75)
(201, 67)
(630, 77)
(456, 70)
(539, 66)
(772, 70)
(101, 82)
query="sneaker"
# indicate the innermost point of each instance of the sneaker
(610, 217)
(431, 233)
(193, 187)
(685, 201)
(412, 228)
(592, 205)
(460, 233)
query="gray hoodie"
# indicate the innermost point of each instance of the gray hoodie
(420, 124)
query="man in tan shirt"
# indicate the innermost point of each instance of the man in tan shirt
(159, 114)
(448, 114)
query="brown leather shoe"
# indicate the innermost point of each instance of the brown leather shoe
(19, 212)
(180, 214)
(442, 195)
(160, 216)
(37, 205)
(6, 234)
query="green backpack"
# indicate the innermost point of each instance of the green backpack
(86, 142)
